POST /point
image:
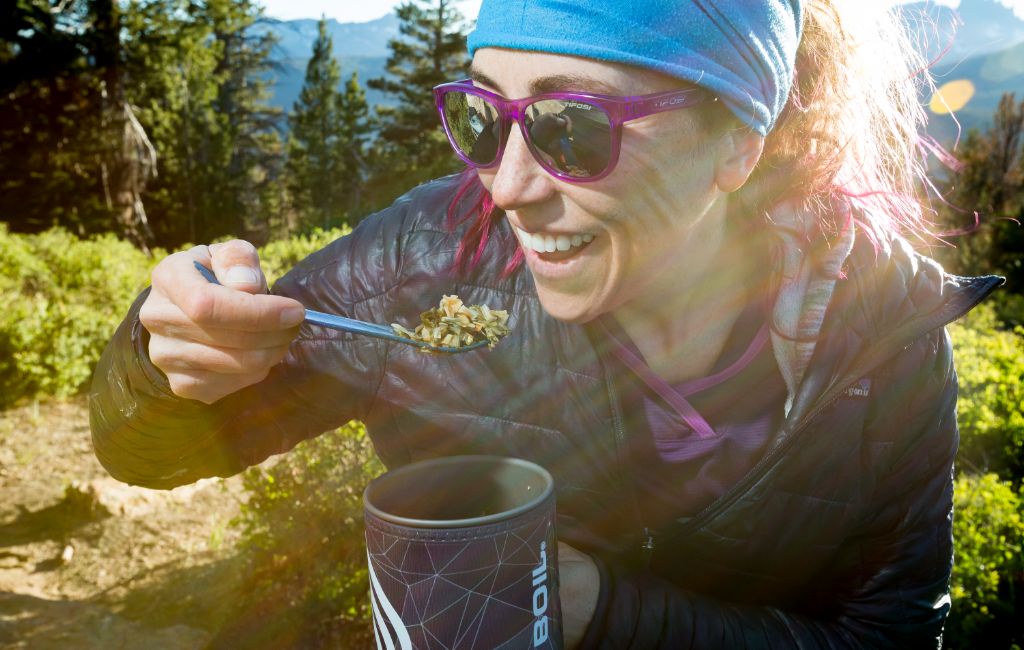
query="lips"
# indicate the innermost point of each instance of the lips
(552, 242)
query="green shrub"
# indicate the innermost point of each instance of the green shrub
(990, 366)
(1009, 308)
(62, 298)
(279, 256)
(302, 530)
(988, 534)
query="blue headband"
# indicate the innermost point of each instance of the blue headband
(741, 50)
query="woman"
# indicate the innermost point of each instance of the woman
(722, 348)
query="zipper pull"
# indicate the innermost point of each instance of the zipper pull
(647, 547)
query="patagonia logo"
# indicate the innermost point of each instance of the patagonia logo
(860, 390)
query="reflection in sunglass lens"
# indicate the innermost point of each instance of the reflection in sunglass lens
(474, 125)
(572, 137)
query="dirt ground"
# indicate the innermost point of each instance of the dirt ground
(87, 562)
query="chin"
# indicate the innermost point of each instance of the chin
(573, 309)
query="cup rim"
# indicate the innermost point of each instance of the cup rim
(506, 515)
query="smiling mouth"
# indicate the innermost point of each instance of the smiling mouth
(552, 246)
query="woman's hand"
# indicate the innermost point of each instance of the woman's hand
(578, 589)
(211, 340)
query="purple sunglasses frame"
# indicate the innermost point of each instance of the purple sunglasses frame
(619, 109)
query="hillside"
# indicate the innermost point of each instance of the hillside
(981, 41)
(359, 47)
(89, 563)
(990, 75)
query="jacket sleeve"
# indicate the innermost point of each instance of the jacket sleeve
(145, 435)
(903, 545)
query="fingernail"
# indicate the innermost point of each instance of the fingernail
(292, 316)
(242, 275)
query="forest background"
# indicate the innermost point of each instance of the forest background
(130, 129)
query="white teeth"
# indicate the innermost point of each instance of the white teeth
(551, 243)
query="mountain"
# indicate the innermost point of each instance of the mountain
(975, 28)
(369, 39)
(981, 41)
(990, 75)
(359, 47)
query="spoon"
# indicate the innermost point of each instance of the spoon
(353, 326)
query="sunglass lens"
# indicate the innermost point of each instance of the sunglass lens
(572, 137)
(474, 126)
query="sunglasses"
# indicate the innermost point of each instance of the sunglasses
(574, 136)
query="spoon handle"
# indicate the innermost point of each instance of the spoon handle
(343, 324)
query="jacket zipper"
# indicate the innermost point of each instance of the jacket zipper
(945, 316)
(647, 548)
(647, 537)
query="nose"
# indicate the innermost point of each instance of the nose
(519, 179)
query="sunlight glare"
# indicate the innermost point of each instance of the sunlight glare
(951, 96)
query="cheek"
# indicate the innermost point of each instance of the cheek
(663, 187)
(486, 177)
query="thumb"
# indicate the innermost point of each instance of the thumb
(237, 265)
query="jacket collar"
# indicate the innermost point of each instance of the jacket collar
(888, 297)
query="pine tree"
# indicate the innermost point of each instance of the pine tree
(171, 80)
(991, 182)
(196, 73)
(96, 95)
(431, 50)
(128, 159)
(315, 163)
(245, 147)
(356, 128)
(329, 130)
(68, 138)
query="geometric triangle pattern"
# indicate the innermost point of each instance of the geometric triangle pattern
(482, 587)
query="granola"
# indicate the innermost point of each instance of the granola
(453, 324)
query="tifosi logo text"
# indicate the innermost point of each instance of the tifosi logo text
(540, 598)
(670, 102)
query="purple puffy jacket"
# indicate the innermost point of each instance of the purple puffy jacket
(839, 537)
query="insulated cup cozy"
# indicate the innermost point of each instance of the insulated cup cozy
(463, 554)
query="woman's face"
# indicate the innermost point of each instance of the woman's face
(637, 227)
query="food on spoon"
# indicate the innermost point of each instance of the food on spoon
(455, 325)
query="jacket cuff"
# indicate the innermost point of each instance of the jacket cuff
(153, 380)
(141, 430)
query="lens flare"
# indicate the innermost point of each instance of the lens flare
(951, 96)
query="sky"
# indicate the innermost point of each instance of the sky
(347, 11)
(355, 11)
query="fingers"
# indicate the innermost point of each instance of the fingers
(567, 553)
(208, 387)
(201, 254)
(161, 317)
(208, 305)
(211, 340)
(579, 586)
(237, 265)
(174, 355)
